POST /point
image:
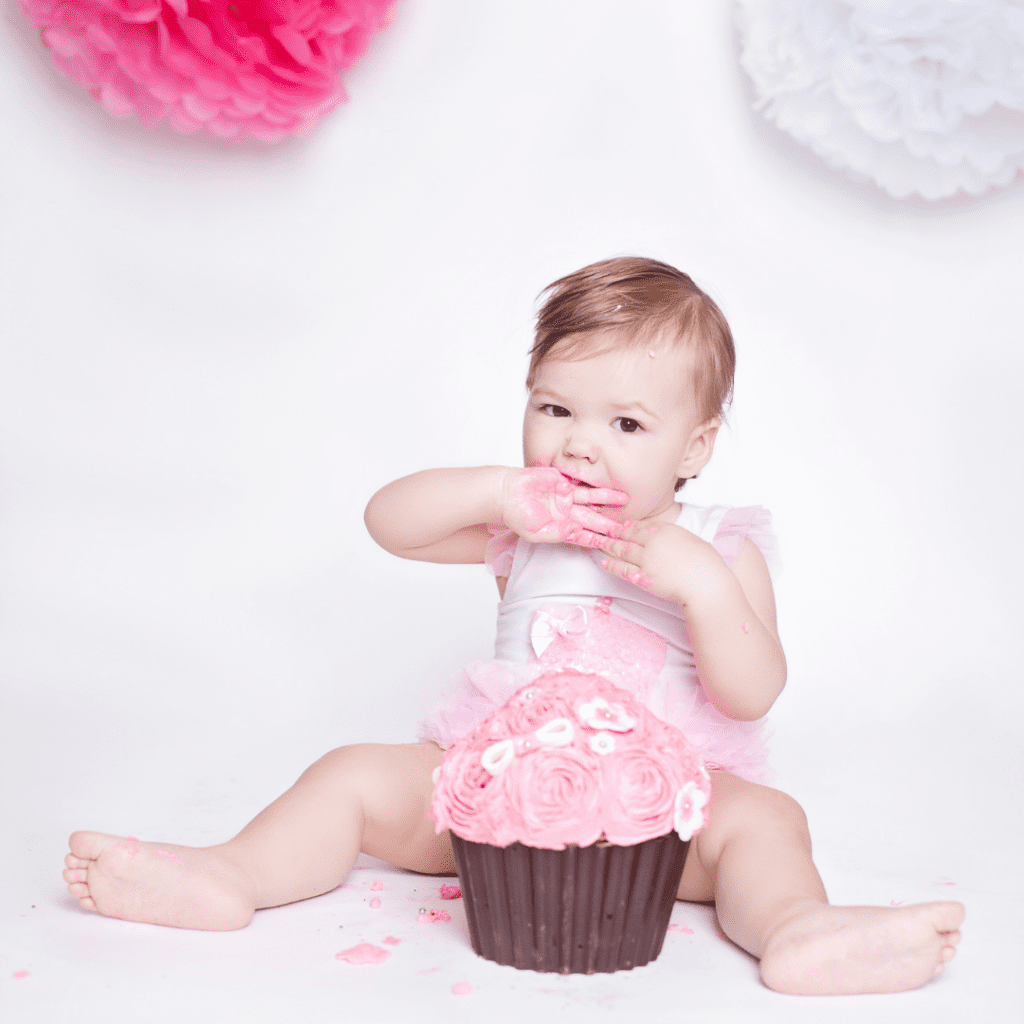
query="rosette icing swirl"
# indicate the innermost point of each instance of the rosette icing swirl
(624, 776)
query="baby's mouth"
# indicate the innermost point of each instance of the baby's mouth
(575, 481)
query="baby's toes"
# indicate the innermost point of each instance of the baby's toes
(948, 916)
(72, 861)
(74, 874)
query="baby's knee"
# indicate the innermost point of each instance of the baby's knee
(741, 802)
(343, 763)
(781, 807)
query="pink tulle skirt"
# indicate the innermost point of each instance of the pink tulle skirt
(484, 686)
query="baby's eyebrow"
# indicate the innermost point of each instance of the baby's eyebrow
(545, 393)
(626, 408)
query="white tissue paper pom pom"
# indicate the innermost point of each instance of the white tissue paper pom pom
(924, 97)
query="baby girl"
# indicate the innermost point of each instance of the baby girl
(601, 569)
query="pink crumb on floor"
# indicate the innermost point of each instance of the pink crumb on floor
(746, 627)
(377, 886)
(392, 941)
(20, 974)
(895, 903)
(430, 916)
(375, 903)
(364, 953)
(680, 928)
(450, 892)
(462, 988)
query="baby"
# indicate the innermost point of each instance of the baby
(600, 569)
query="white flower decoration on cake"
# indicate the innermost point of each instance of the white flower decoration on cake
(920, 96)
(559, 732)
(498, 756)
(600, 714)
(689, 814)
(556, 733)
(602, 743)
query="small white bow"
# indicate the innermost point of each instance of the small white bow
(546, 626)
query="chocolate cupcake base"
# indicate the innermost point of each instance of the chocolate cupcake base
(588, 910)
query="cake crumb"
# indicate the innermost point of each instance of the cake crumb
(364, 953)
(430, 916)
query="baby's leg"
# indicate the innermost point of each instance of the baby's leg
(372, 797)
(753, 858)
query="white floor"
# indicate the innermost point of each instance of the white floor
(211, 356)
(922, 825)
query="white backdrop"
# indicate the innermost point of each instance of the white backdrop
(213, 354)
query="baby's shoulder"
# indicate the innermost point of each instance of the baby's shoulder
(726, 528)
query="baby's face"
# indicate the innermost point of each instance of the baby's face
(621, 419)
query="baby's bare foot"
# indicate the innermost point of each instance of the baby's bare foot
(843, 950)
(180, 886)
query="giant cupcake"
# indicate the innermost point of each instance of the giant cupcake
(571, 810)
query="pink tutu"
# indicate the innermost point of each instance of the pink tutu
(585, 633)
(484, 686)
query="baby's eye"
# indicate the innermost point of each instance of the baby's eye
(627, 426)
(555, 410)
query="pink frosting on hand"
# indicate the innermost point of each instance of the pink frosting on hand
(541, 504)
(625, 775)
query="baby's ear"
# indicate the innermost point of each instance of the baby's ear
(700, 448)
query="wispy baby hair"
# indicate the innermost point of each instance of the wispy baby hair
(642, 301)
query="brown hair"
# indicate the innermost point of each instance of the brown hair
(642, 300)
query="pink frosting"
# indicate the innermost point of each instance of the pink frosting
(571, 759)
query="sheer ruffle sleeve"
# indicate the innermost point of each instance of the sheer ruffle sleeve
(753, 521)
(500, 550)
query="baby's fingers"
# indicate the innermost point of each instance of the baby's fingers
(627, 571)
(583, 538)
(593, 520)
(621, 549)
(599, 496)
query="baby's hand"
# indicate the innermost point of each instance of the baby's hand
(544, 506)
(666, 560)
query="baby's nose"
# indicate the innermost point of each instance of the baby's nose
(580, 445)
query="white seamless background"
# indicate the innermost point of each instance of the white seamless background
(212, 355)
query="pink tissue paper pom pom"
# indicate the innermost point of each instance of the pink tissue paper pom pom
(262, 68)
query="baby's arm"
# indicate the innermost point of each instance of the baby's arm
(730, 612)
(441, 515)
(438, 515)
(735, 641)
